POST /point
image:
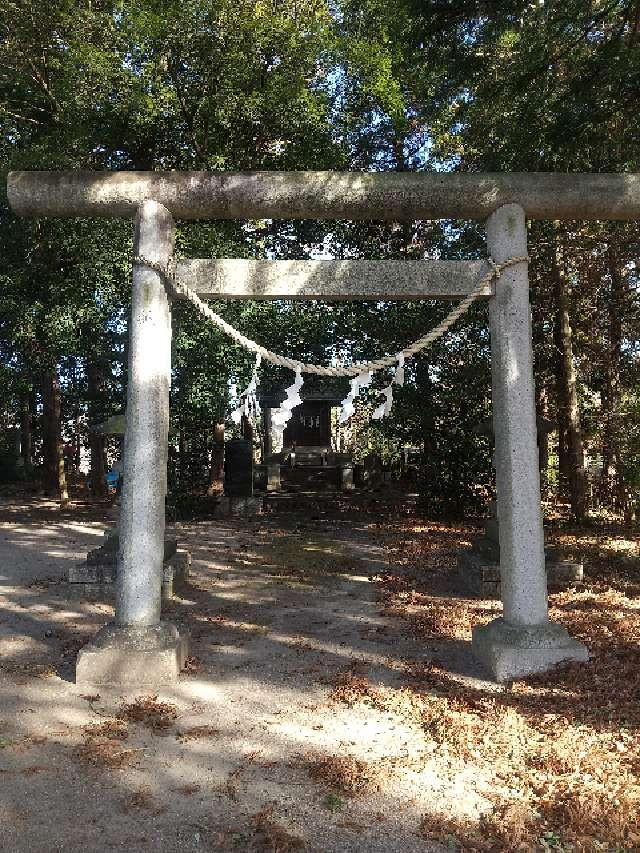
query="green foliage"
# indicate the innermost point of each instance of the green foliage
(333, 802)
(371, 85)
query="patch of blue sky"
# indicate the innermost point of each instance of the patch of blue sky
(471, 29)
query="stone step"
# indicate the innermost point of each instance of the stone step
(309, 477)
(238, 507)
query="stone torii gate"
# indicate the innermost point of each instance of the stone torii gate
(141, 649)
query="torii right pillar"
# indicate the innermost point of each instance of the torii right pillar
(523, 641)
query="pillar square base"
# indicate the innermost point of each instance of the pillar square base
(133, 657)
(510, 652)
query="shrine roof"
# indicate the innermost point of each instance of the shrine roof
(330, 391)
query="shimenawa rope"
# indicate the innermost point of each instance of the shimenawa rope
(168, 275)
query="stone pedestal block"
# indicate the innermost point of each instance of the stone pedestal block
(85, 573)
(273, 478)
(345, 478)
(129, 656)
(479, 571)
(510, 652)
(562, 574)
(107, 553)
(477, 576)
(175, 572)
(238, 507)
(101, 565)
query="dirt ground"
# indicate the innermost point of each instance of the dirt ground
(276, 614)
(294, 726)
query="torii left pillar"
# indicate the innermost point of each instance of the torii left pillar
(139, 649)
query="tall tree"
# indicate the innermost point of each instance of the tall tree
(570, 429)
(55, 482)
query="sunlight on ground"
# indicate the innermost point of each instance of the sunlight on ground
(348, 718)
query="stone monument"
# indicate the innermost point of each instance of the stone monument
(238, 500)
(479, 568)
(100, 567)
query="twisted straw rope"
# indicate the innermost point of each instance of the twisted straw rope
(168, 275)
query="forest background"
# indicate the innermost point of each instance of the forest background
(373, 85)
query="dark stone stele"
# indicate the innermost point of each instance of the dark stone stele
(238, 469)
(479, 568)
(238, 500)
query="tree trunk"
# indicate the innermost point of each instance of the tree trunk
(95, 393)
(542, 399)
(49, 480)
(428, 424)
(55, 481)
(182, 460)
(568, 411)
(77, 440)
(542, 417)
(26, 438)
(430, 468)
(561, 410)
(216, 471)
(612, 485)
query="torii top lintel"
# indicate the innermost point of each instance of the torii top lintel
(389, 196)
